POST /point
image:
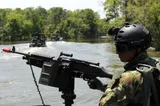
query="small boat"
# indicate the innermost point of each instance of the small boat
(38, 42)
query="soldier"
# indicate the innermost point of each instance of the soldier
(130, 87)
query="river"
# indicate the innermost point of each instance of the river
(17, 87)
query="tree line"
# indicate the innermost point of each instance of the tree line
(22, 24)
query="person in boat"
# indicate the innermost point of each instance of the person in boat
(129, 88)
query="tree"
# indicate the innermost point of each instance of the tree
(89, 18)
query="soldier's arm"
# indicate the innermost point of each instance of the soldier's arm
(122, 92)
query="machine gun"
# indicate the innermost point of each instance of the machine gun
(61, 72)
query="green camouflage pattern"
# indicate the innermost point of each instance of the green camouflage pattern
(127, 89)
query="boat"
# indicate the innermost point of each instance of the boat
(38, 41)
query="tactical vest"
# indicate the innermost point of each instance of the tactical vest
(151, 84)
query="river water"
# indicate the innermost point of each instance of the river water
(17, 87)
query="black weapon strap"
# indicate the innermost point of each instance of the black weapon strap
(36, 83)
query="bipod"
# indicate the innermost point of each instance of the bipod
(68, 93)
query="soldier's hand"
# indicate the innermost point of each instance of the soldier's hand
(96, 84)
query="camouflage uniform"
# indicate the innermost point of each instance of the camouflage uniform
(126, 90)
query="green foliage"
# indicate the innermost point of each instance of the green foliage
(112, 9)
(145, 12)
(23, 24)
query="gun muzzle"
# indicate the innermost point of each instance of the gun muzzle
(9, 50)
(6, 50)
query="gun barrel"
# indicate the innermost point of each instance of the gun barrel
(12, 51)
(21, 53)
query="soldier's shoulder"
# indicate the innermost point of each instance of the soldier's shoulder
(130, 73)
(131, 76)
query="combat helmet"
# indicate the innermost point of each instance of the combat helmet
(131, 36)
